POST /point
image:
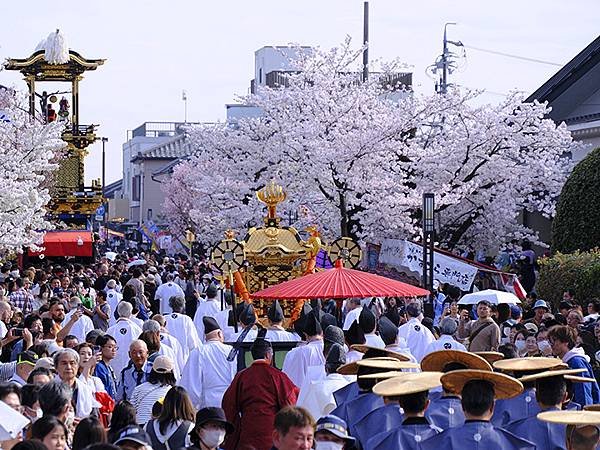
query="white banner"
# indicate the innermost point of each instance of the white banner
(406, 256)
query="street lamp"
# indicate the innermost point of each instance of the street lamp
(428, 224)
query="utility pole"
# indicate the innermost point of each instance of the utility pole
(184, 98)
(365, 74)
(105, 215)
(445, 63)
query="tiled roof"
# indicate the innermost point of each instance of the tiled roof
(175, 147)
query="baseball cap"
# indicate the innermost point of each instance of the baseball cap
(336, 426)
(163, 364)
(134, 434)
(27, 357)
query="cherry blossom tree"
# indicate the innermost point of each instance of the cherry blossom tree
(359, 154)
(28, 150)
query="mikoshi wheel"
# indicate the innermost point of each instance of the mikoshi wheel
(228, 255)
(347, 250)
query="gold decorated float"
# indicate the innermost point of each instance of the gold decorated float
(272, 253)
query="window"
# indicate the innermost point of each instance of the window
(135, 188)
(149, 213)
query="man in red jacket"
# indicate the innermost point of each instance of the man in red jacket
(254, 397)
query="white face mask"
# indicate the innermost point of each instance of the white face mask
(213, 437)
(322, 445)
(520, 345)
(544, 345)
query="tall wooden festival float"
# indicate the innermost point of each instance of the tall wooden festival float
(272, 253)
(72, 204)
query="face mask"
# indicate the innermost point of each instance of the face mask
(544, 345)
(322, 445)
(213, 437)
(520, 345)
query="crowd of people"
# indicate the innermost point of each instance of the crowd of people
(139, 351)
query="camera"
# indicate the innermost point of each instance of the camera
(17, 332)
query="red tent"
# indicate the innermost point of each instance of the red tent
(339, 282)
(67, 243)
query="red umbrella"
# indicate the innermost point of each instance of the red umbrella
(339, 282)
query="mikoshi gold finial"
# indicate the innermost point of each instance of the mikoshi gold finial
(271, 195)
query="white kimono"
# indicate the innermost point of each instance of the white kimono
(445, 342)
(124, 332)
(403, 349)
(280, 335)
(317, 396)
(113, 298)
(208, 308)
(208, 374)
(351, 317)
(168, 351)
(222, 319)
(417, 336)
(374, 341)
(174, 344)
(80, 328)
(299, 359)
(250, 337)
(182, 328)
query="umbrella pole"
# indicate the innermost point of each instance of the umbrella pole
(233, 302)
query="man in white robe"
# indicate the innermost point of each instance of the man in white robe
(247, 331)
(181, 326)
(209, 307)
(448, 327)
(417, 336)
(354, 336)
(113, 298)
(170, 340)
(124, 332)
(298, 361)
(83, 326)
(389, 335)
(368, 323)
(275, 330)
(165, 291)
(317, 396)
(166, 350)
(354, 310)
(208, 373)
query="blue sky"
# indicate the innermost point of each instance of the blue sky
(154, 49)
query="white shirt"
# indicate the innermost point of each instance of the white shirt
(317, 397)
(80, 328)
(417, 337)
(351, 317)
(164, 292)
(401, 347)
(182, 328)
(208, 374)
(222, 319)
(352, 355)
(3, 330)
(143, 398)
(374, 341)
(124, 332)
(299, 359)
(166, 350)
(445, 342)
(208, 308)
(250, 337)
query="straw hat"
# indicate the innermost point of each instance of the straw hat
(550, 373)
(571, 417)
(436, 361)
(383, 363)
(576, 379)
(382, 352)
(490, 357)
(389, 374)
(504, 386)
(591, 408)
(408, 383)
(528, 364)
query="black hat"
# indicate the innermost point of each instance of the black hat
(212, 414)
(245, 312)
(300, 322)
(275, 313)
(354, 334)
(312, 326)
(336, 355)
(317, 307)
(367, 320)
(210, 324)
(211, 291)
(327, 320)
(261, 342)
(387, 330)
(334, 335)
(393, 315)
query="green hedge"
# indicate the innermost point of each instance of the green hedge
(577, 222)
(578, 270)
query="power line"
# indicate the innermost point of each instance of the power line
(508, 55)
